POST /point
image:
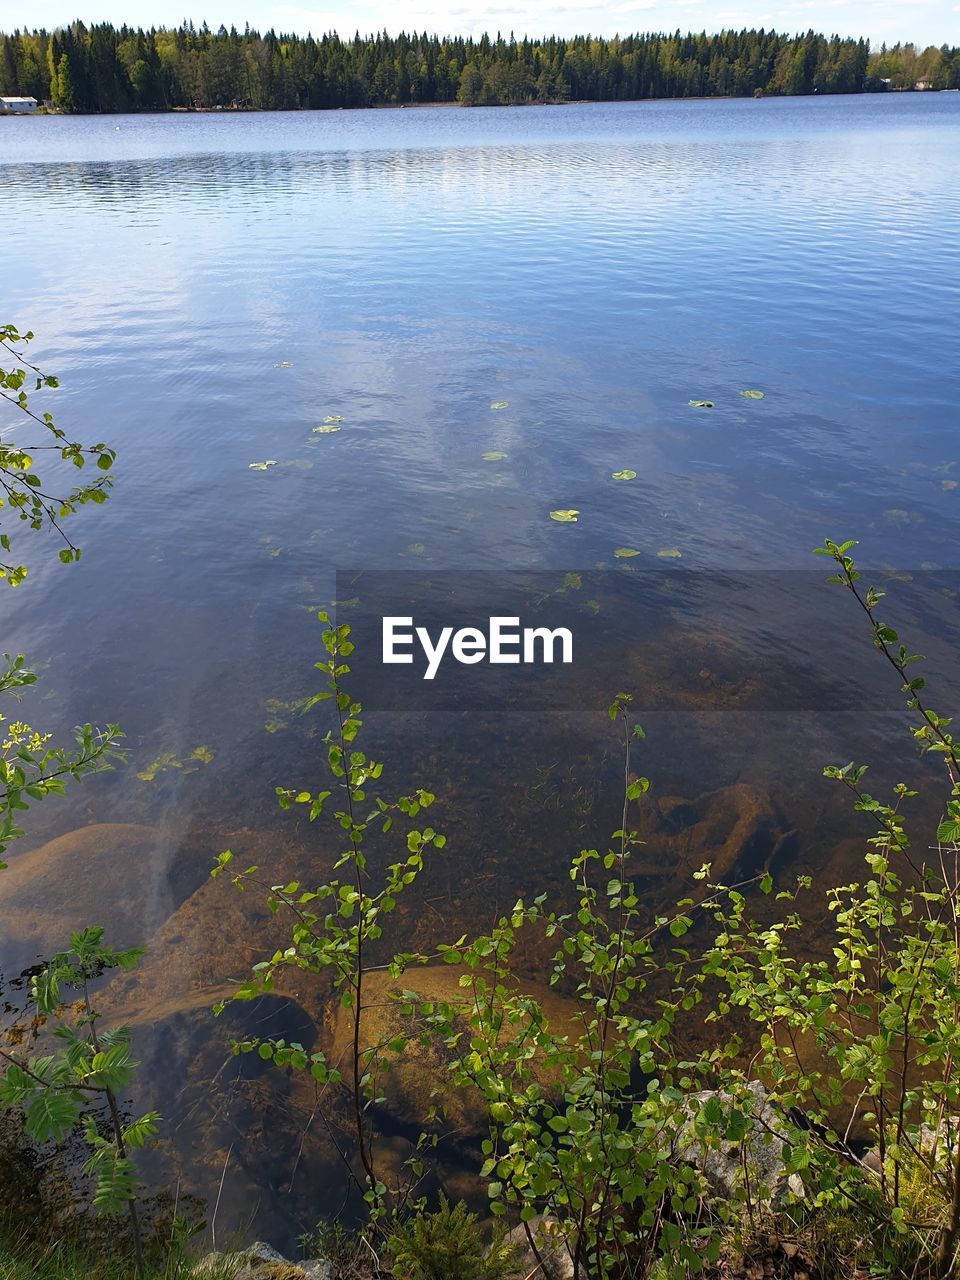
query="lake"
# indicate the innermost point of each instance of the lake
(211, 288)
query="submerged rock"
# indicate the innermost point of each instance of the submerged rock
(415, 1082)
(119, 874)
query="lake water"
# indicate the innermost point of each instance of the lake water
(210, 288)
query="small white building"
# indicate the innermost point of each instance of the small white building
(18, 106)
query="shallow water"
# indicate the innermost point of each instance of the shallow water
(210, 288)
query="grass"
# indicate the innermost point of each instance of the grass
(23, 1260)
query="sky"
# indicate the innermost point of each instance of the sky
(923, 21)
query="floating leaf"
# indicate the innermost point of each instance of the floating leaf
(283, 364)
(626, 474)
(625, 553)
(499, 404)
(565, 515)
(334, 417)
(203, 754)
(752, 395)
(495, 455)
(669, 553)
(262, 466)
(701, 404)
(327, 429)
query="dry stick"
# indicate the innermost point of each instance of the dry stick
(216, 1207)
(173, 1220)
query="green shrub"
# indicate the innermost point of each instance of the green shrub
(448, 1245)
(861, 1047)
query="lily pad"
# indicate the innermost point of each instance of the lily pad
(283, 364)
(327, 429)
(626, 553)
(262, 466)
(700, 404)
(565, 515)
(499, 404)
(752, 395)
(669, 553)
(334, 417)
(626, 474)
(495, 455)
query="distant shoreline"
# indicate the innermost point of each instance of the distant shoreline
(460, 106)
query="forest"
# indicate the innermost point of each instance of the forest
(101, 68)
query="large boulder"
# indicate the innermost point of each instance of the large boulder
(262, 1262)
(551, 1258)
(754, 1165)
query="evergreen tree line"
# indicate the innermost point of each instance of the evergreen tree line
(102, 68)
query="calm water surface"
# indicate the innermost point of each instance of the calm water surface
(210, 288)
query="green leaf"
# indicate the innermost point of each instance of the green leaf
(669, 553)
(565, 515)
(700, 404)
(752, 395)
(498, 404)
(626, 553)
(51, 1114)
(626, 474)
(495, 455)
